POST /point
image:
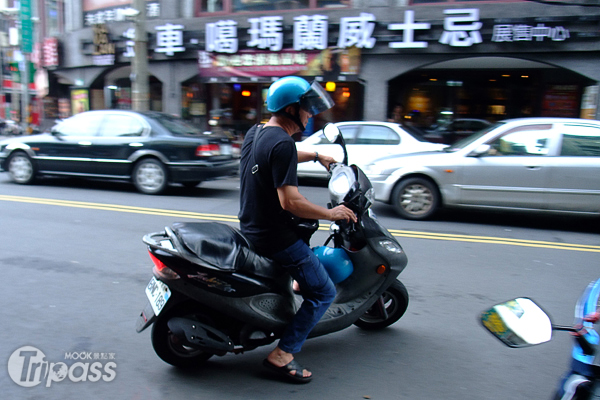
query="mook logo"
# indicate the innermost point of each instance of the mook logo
(28, 367)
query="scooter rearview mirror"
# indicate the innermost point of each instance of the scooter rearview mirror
(333, 134)
(518, 323)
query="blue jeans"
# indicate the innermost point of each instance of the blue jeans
(317, 289)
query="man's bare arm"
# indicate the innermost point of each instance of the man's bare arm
(291, 200)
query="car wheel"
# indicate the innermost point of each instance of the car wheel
(150, 176)
(21, 169)
(415, 198)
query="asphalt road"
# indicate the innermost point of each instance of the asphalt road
(74, 270)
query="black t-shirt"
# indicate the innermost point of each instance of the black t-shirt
(275, 163)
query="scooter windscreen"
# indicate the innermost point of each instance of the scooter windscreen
(365, 186)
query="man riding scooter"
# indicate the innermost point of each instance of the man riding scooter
(269, 199)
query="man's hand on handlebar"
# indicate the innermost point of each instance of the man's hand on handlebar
(326, 161)
(342, 213)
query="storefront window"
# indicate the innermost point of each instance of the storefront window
(262, 5)
(459, 1)
(333, 3)
(226, 6)
(54, 17)
(211, 6)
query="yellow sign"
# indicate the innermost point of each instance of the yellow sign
(80, 101)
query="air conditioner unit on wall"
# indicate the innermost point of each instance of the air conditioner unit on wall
(3, 39)
(13, 36)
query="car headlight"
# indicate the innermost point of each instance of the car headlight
(374, 169)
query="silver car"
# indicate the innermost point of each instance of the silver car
(542, 164)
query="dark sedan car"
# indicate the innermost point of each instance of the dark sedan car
(150, 149)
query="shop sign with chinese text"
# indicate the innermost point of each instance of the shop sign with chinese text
(248, 51)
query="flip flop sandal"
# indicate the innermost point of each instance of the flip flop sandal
(287, 369)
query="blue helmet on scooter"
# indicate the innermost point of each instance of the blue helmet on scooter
(286, 91)
(291, 90)
(336, 262)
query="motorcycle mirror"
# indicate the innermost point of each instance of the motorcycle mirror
(333, 134)
(518, 323)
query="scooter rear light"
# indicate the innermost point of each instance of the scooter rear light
(161, 269)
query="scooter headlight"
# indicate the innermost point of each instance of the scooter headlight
(390, 246)
(340, 184)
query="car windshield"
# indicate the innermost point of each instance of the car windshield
(175, 125)
(461, 144)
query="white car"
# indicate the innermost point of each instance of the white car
(536, 164)
(365, 141)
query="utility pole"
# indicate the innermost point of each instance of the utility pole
(139, 63)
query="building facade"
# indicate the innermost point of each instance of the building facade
(211, 61)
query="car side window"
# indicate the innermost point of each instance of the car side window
(530, 140)
(580, 141)
(377, 135)
(459, 125)
(79, 125)
(121, 126)
(472, 126)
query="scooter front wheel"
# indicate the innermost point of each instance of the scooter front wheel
(171, 348)
(389, 308)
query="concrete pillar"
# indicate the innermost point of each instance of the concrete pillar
(172, 75)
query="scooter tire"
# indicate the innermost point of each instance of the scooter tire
(170, 348)
(395, 300)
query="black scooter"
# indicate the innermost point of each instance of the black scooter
(211, 294)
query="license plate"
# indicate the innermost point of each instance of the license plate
(226, 149)
(158, 293)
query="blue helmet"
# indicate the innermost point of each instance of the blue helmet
(336, 262)
(292, 89)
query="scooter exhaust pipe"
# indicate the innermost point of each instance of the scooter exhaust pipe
(201, 336)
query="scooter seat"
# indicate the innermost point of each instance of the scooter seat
(224, 247)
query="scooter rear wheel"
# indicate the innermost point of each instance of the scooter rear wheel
(388, 309)
(172, 349)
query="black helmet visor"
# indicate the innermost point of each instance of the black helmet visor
(316, 99)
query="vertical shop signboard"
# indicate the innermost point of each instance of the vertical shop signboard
(80, 101)
(589, 102)
(26, 27)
